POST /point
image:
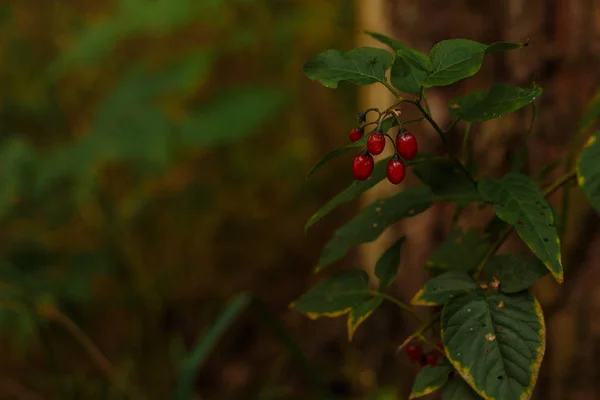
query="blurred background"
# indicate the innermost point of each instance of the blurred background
(153, 162)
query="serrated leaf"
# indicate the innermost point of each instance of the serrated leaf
(514, 272)
(501, 99)
(438, 290)
(334, 296)
(360, 312)
(373, 220)
(430, 379)
(447, 181)
(456, 59)
(458, 389)
(517, 200)
(588, 171)
(360, 66)
(461, 251)
(495, 341)
(387, 266)
(387, 124)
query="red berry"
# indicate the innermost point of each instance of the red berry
(440, 346)
(406, 145)
(375, 143)
(363, 165)
(396, 170)
(431, 359)
(414, 352)
(356, 134)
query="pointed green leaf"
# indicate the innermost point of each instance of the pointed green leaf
(588, 171)
(387, 124)
(361, 66)
(458, 389)
(461, 251)
(495, 341)
(430, 379)
(405, 76)
(517, 200)
(438, 290)
(415, 57)
(500, 100)
(447, 181)
(373, 220)
(360, 312)
(504, 46)
(387, 266)
(334, 296)
(514, 272)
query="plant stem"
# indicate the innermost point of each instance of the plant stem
(398, 303)
(419, 332)
(390, 88)
(452, 125)
(465, 144)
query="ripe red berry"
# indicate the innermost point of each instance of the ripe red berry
(432, 359)
(363, 165)
(406, 145)
(356, 134)
(413, 352)
(396, 170)
(376, 143)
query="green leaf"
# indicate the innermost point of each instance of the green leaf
(504, 46)
(514, 272)
(387, 266)
(385, 126)
(588, 171)
(430, 379)
(495, 341)
(458, 389)
(447, 181)
(416, 58)
(591, 113)
(334, 296)
(438, 290)
(361, 66)
(500, 100)
(517, 200)
(231, 116)
(373, 220)
(456, 59)
(360, 312)
(461, 251)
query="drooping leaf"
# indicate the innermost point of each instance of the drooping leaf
(335, 295)
(501, 99)
(495, 341)
(231, 116)
(458, 389)
(460, 251)
(360, 312)
(456, 59)
(517, 200)
(360, 66)
(514, 272)
(373, 220)
(438, 290)
(447, 181)
(387, 266)
(430, 379)
(588, 171)
(385, 126)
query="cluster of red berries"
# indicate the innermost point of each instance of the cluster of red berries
(415, 353)
(405, 147)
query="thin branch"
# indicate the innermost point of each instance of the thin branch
(398, 303)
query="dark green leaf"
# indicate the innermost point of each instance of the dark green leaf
(372, 221)
(588, 171)
(438, 290)
(514, 272)
(335, 295)
(361, 66)
(461, 251)
(387, 266)
(429, 379)
(458, 389)
(405, 76)
(504, 46)
(517, 200)
(415, 57)
(447, 181)
(360, 312)
(495, 341)
(500, 100)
